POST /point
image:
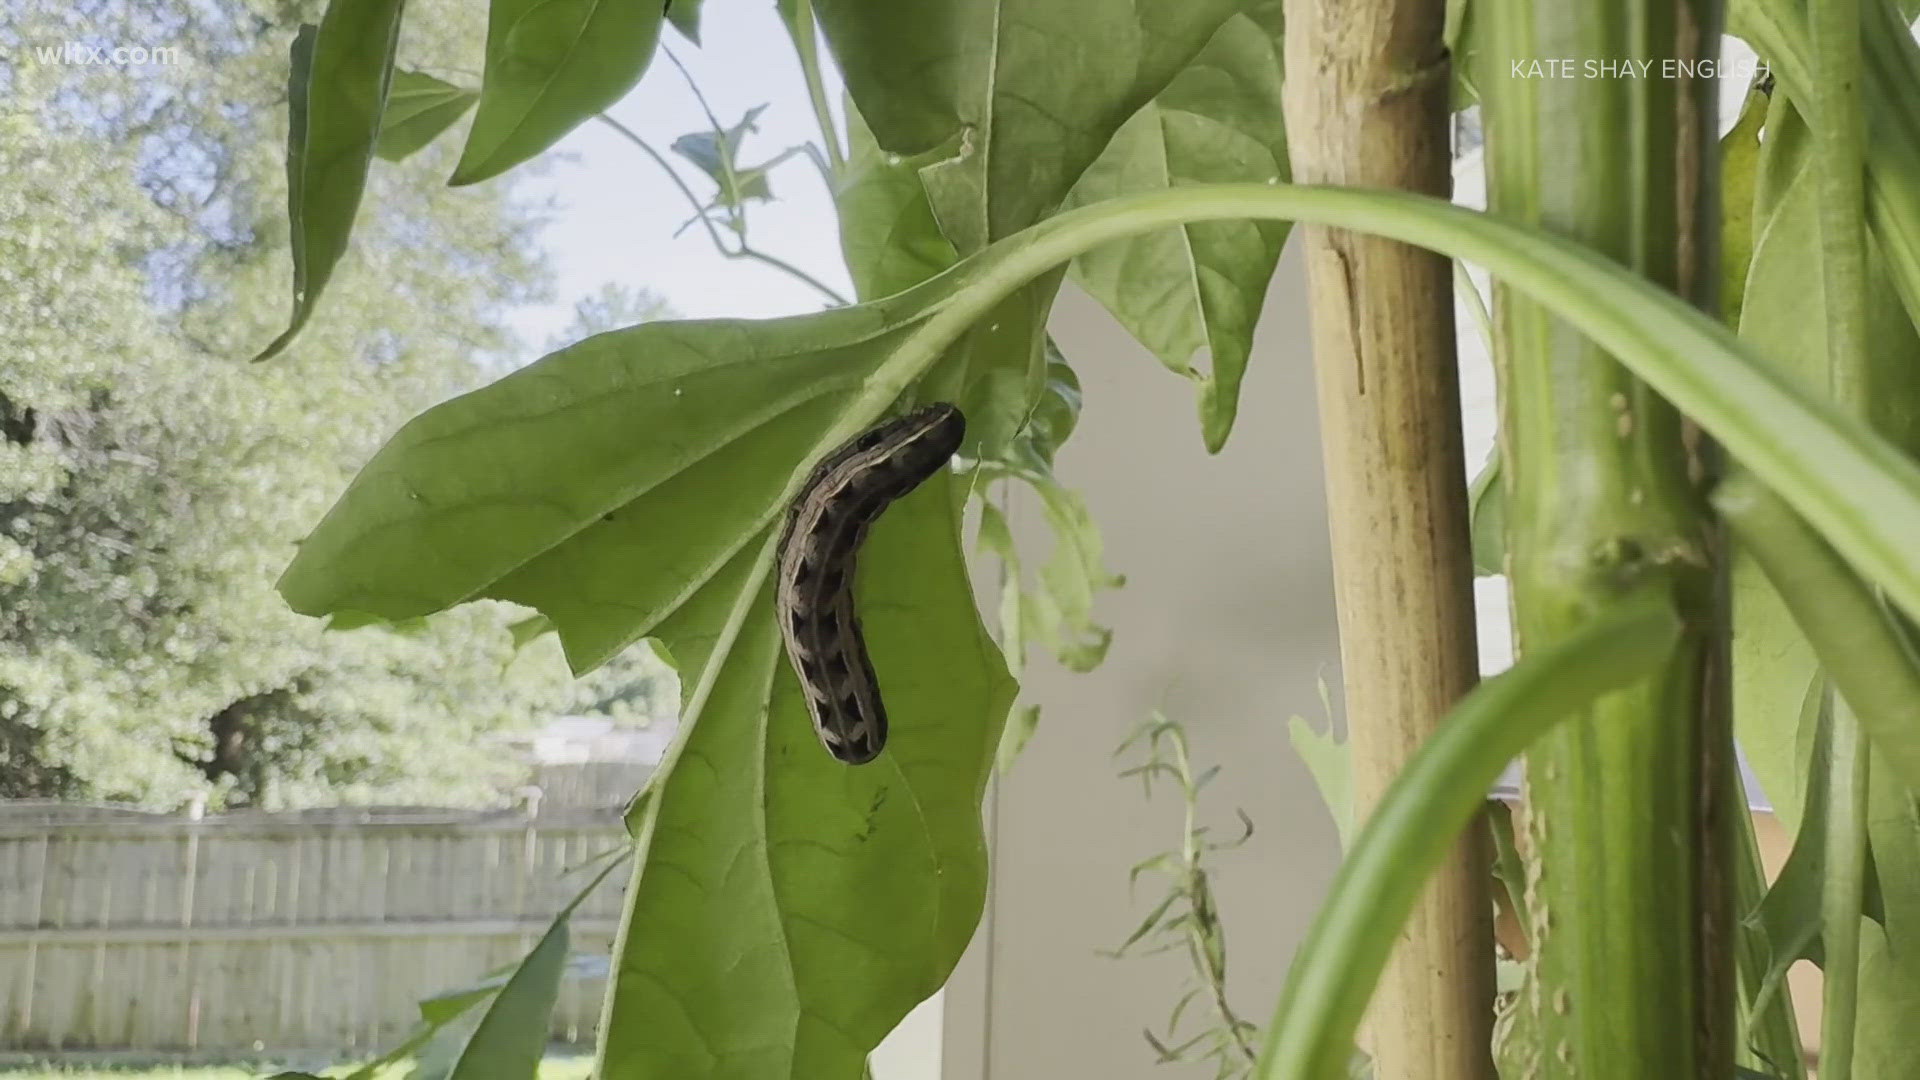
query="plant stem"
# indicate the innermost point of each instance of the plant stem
(1840, 160)
(1367, 104)
(1630, 871)
(1796, 444)
(1843, 893)
(806, 45)
(1415, 823)
(744, 251)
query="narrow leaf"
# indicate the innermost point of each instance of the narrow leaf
(513, 1032)
(685, 17)
(1789, 915)
(1858, 646)
(419, 108)
(551, 65)
(1487, 511)
(336, 97)
(1422, 813)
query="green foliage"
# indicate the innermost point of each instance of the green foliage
(786, 912)
(1201, 285)
(154, 483)
(419, 109)
(336, 100)
(1186, 919)
(1328, 762)
(1487, 507)
(717, 154)
(1789, 914)
(550, 67)
(1422, 813)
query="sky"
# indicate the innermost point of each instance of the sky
(617, 211)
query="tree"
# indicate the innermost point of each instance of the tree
(154, 481)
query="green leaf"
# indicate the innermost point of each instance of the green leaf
(419, 108)
(1058, 612)
(528, 630)
(791, 909)
(1783, 317)
(1508, 867)
(1464, 49)
(1739, 164)
(1041, 84)
(1052, 419)
(1421, 814)
(1487, 510)
(1021, 724)
(513, 1032)
(1200, 286)
(1789, 915)
(1024, 94)
(1856, 641)
(602, 485)
(1329, 763)
(685, 17)
(717, 153)
(551, 65)
(887, 231)
(336, 96)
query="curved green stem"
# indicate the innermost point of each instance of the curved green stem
(745, 251)
(1417, 820)
(1860, 492)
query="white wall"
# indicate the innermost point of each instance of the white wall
(1225, 623)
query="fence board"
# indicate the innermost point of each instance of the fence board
(126, 932)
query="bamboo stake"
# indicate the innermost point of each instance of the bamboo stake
(1367, 104)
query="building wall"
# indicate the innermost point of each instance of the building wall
(1225, 623)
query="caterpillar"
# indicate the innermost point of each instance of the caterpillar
(814, 564)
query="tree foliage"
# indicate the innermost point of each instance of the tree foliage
(152, 482)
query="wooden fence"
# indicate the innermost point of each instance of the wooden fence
(315, 932)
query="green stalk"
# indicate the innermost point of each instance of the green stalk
(1630, 914)
(1779, 31)
(1839, 130)
(798, 15)
(1843, 894)
(1420, 816)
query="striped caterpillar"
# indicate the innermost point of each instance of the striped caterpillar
(813, 599)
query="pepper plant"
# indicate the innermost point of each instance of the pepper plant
(1708, 412)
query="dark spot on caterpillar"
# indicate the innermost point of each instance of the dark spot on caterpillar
(849, 706)
(810, 667)
(844, 494)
